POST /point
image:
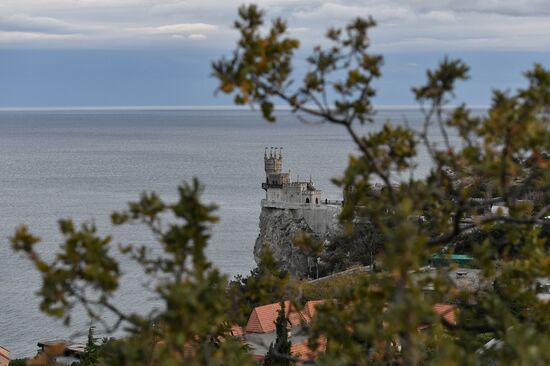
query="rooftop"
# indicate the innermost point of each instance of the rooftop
(259, 332)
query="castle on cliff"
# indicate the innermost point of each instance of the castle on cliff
(289, 209)
(278, 186)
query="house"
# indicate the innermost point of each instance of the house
(260, 329)
(4, 356)
(447, 312)
(259, 332)
(60, 352)
(543, 289)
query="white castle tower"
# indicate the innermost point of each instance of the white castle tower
(278, 186)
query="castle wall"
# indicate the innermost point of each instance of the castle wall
(320, 218)
(275, 194)
(293, 194)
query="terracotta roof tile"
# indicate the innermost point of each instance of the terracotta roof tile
(4, 356)
(310, 308)
(447, 312)
(236, 330)
(259, 359)
(304, 352)
(262, 319)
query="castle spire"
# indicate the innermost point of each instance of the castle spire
(280, 153)
(265, 153)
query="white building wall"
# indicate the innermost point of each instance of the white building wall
(294, 193)
(275, 194)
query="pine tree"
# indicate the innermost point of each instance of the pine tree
(279, 353)
(90, 357)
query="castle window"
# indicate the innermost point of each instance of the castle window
(307, 200)
(317, 201)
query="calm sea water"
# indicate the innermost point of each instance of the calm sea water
(85, 164)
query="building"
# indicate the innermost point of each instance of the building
(279, 186)
(299, 200)
(4, 356)
(260, 331)
(60, 352)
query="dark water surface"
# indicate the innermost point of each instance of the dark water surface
(85, 164)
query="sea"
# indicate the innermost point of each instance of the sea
(86, 163)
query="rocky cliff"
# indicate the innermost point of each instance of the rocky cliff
(279, 227)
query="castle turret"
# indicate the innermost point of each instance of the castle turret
(273, 162)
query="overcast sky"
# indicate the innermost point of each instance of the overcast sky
(158, 52)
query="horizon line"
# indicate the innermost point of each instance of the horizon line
(193, 107)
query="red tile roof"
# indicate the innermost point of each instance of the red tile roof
(236, 330)
(303, 351)
(447, 312)
(262, 319)
(310, 308)
(259, 359)
(4, 356)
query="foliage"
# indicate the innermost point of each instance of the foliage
(191, 327)
(358, 247)
(500, 156)
(266, 284)
(279, 353)
(90, 356)
(329, 287)
(384, 318)
(18, 362)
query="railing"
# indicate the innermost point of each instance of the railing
(332, 202)
(297, 205)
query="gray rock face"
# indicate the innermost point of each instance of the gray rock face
(280, 226)
(278, 229)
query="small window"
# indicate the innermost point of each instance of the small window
(307, 200)
(317, 201)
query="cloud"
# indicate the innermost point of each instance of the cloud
(10, 37)
(182, 31)
(402, 24)
(197, 36)
(194, 36)
(331, 12)
(172, 29)
(514, 8)
(26, 23)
